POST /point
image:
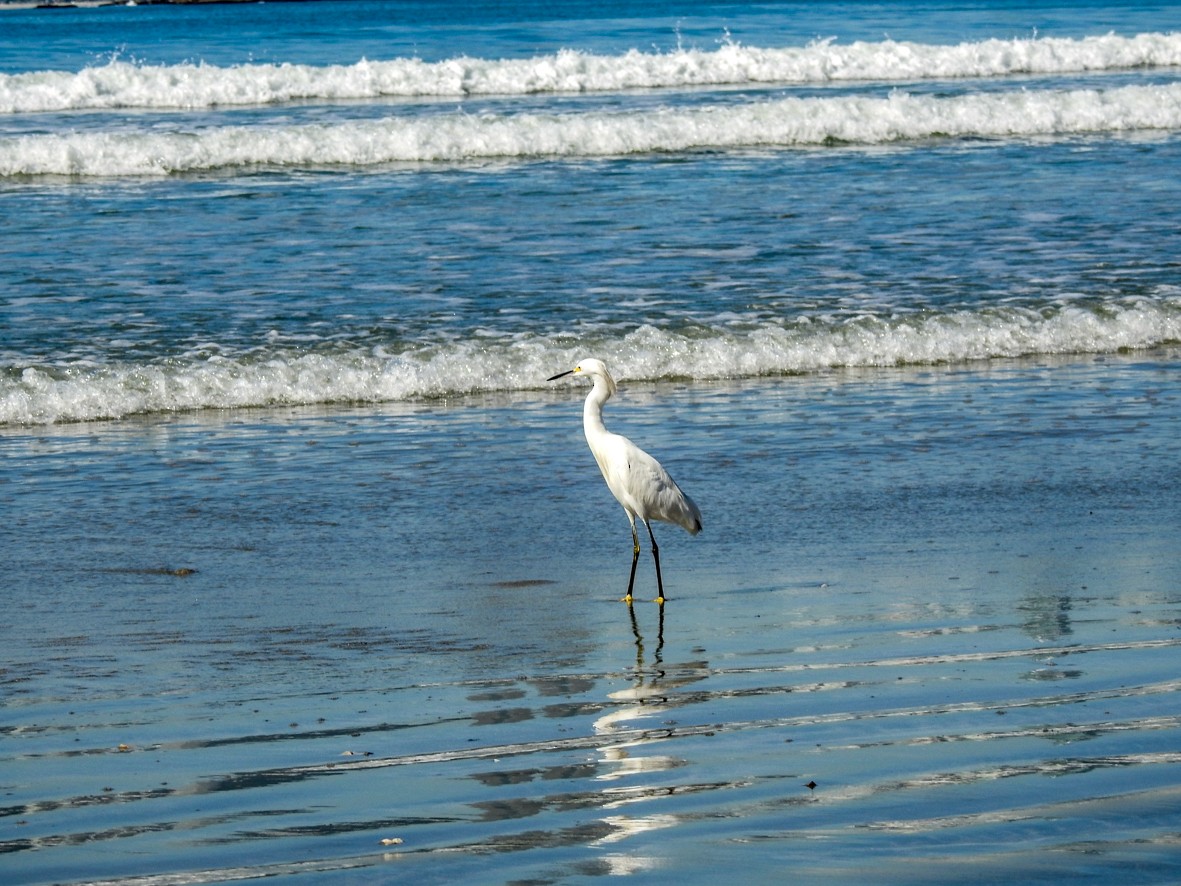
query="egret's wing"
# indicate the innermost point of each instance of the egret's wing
(655, 494)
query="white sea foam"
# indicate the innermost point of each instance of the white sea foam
(47, 394)
(460, 137)
(121, 84)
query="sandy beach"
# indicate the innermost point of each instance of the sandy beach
(928, 632)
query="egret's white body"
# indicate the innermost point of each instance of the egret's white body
(638, 481)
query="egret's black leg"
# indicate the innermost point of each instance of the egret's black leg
(635, 557)
(656, 559)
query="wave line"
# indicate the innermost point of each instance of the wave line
(120, 84)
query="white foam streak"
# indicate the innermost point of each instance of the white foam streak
(121, 84)
(40, 395)
(785, 123)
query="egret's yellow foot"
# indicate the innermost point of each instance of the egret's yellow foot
(627, 599)
(659, 600)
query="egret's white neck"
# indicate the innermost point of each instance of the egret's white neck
(592, 409)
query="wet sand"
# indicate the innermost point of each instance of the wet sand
(928, 634)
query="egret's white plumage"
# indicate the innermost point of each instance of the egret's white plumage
(637, 480)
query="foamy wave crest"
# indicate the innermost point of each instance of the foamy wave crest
(786, 123)
(120, 84)
(47, 394)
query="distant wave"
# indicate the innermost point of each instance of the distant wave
(279, 376)
(459, 137)
(121, 84)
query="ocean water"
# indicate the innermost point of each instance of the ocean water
(307, 570)
(318, 203)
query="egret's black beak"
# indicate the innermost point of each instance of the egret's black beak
(560, 375)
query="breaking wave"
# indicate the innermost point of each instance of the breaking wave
(461, 137)
(283, 375)
(122, 84)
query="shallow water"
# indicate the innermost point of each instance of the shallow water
(930, 630)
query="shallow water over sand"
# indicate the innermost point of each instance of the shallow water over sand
(930, 631)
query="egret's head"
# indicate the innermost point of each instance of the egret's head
(592, 369)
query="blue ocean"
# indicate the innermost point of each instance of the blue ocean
(259, 204)
(309, 573)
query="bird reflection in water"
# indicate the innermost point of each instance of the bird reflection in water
(645, 698)
(635, 773)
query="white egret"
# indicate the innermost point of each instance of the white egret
(636, 479)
